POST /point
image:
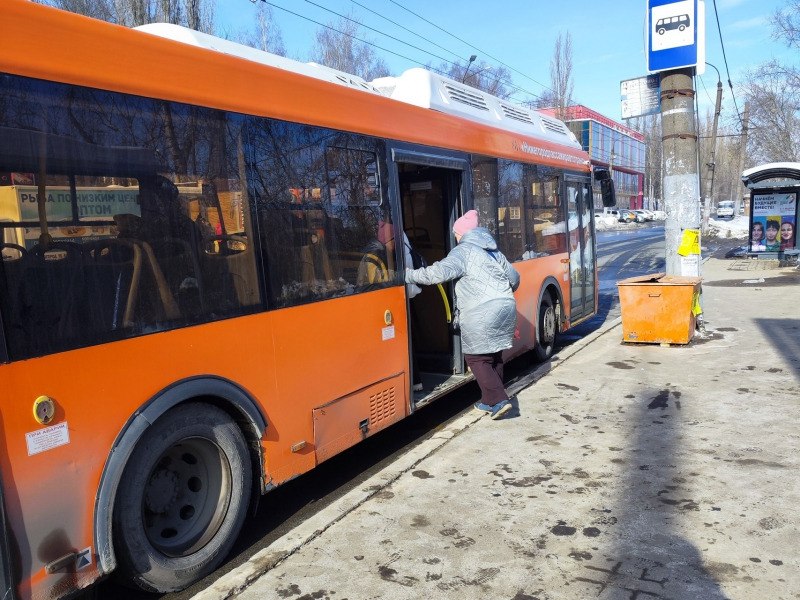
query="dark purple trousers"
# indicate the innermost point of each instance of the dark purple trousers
(488, 371)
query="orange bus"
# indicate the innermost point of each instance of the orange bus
(210, 345)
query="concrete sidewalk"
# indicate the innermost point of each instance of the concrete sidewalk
(628, 472)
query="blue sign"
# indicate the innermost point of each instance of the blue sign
(675, 35)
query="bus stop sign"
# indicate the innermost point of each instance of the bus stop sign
(676, 35)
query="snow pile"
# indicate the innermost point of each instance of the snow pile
(738, 227)
(606, 222)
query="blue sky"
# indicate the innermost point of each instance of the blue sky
(607, 36)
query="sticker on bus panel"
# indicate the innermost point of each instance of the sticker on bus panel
(387, 333)
(48, 438)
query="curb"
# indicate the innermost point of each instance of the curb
(238, 580)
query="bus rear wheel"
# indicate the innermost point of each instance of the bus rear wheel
(182, 499)
(546, 329)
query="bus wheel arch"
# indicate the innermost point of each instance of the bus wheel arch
(233, 413)
(182, 500)
(549, 318)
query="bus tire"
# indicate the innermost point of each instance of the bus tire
(546, 329)
(182, 499)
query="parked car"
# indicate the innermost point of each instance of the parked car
(725, 209)
(738, 252)
(641, 216)
(627, 216)
(659, 215)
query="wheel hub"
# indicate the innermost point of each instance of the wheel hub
(162, 491)
(549, 328)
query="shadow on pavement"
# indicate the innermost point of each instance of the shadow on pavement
(785, 337)
(652, 557)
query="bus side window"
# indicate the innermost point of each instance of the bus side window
(319, 198)
(51, 310)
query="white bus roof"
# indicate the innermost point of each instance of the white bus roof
(209, 42)
(417, 86)
(423, 88)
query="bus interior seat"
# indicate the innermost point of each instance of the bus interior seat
(219, 264)
(316, 265)
(156, 299)
(180, 264)
(162, 302)
(114, 269)
(12, 267)
(51, 309)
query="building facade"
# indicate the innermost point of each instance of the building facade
(613, 146)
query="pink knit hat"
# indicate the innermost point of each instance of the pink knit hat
(465, 223)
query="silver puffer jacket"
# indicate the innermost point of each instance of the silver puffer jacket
(487, 311)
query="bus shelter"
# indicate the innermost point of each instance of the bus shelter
(774, 189)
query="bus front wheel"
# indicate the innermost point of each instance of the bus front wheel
(546, 329)
(182, 499)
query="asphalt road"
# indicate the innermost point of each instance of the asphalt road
(627, 252)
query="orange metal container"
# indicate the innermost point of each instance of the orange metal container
(658, 308)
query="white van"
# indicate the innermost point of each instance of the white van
(725, 209)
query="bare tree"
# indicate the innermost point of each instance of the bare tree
(195, 14)
(774, 97)
(652, 131)
(786, 24)
(337, 47)
(561, 83)
(547, 99)
(97, 9)
(480, 75)
(265, 34)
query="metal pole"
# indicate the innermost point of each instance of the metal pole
(742, 156)
(711, 164)
(681, 185)
(469, 64)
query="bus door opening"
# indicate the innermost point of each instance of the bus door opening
(429, 197)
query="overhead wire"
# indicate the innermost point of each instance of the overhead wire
(483, 52)
(505, 82)
(516, 89)
(404, 28)
(725, 59)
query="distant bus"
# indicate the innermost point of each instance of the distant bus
(183, 320)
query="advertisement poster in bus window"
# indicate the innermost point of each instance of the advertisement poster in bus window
(774, 222)
(94, 204)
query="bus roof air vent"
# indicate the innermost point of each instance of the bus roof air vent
(555, 126)
(516, 112)
(430, 90)
(465, 95)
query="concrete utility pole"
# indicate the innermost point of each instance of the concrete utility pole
(712, 165)
(737, 184)
(681, 182)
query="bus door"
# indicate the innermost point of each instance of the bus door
(431, 192)
(581, 248)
